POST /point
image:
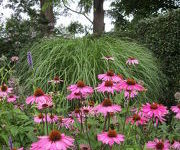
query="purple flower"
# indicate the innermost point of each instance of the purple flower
(10, 143)
(29, 59)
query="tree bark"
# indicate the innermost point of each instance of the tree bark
(98, 23)
(48, 14)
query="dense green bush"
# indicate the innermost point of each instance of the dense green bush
(75, 59)
(162, 36)
(16, 124)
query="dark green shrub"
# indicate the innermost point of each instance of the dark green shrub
(162, 36)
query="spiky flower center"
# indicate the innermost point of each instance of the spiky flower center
(11, 96)
(85, 148)
(108, 56)
(77, 94)
(56, 78)
(80, 84)
(136, 117)
(107, 102)
(4, 88)
(54, 136)
(110, 73)
(131, 81)
(51, 116)
(131, 58)
(86, 111)
(120, 76)
(40, 116)
(91, 103)
(44, 105)
(160, 145)
(178, 106)
(112, 133)
(108, 83)
(154, 106)
(14, 148)
(60, 119)
(77, 111)
(38, 92)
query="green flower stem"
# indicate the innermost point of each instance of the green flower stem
(46, 123)
(87, 132)
(104, 128)
(127, 112)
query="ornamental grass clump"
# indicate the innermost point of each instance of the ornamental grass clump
(82, 59)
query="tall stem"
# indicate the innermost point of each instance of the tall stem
(46, 123)
(127, 111)
(82, 129)
(87, 132)
(108, 115)
(104, 128)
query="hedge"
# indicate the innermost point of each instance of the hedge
(162, 36)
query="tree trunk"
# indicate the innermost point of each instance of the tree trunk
(98, 23)
(48, 14)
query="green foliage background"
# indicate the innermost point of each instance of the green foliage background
(162, 36)
(81, 59)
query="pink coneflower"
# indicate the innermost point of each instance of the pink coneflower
(176, 145)
(137, 119)
(76, 96)
(107, 86)
(11, 98)
(5, 90)
(110, 137)
(154, 110)
(130, 94)
(38, 97)
(52, 118)
(110, 75)
(45, 104)
(19, 106)
(130, 85)
(158, 145)
(55, 141)
(66, 122)
(39, 118)
(14, 58)
(176, 109)
(108, 58)
(56, 80)
(87, 110)
(132, 61)
(81, 88)
(107, 107)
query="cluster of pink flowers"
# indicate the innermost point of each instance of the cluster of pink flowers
(155, 111)
(162, 145)
(111, 83)
(137, 119)
(107, 107)
(40, 98)
(7, 93)
(79, 91)
(114, 83)
(66, 122)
